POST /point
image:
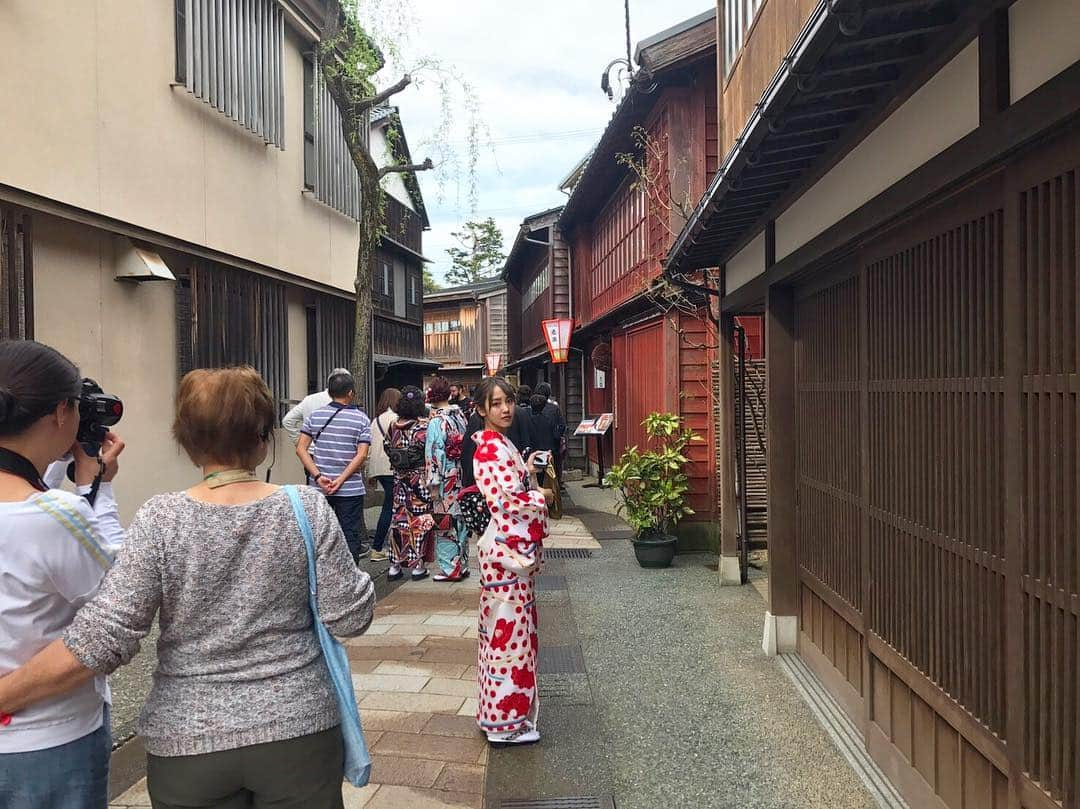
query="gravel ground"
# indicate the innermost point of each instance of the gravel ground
(683, 709)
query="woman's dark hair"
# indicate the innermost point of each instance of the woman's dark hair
(438, 389)
(411, 404)
(34, 379)
(388, 401)
(524, 393)
(485, 391)
(543, 389)
(538, 403)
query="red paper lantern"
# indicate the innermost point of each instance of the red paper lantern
(557, 332)
(493, 362)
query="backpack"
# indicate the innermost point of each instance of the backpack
(404, 459)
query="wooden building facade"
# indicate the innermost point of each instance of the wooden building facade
(641, 354)
(901, 202)
(538, 288)
(462, 325)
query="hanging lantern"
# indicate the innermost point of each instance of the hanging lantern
(493, 362)
(557, 333)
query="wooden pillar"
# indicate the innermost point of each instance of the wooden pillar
(781, 622)
(730, 573)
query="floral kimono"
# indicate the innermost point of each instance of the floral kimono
(445, 434)
(412, 522)
(510, 554)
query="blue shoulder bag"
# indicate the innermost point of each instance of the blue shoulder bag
(357, 758)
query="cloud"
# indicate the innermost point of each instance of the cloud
(535, 72)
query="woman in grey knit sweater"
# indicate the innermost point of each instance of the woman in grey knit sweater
(242, 712)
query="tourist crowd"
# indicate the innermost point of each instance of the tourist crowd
(242, 711)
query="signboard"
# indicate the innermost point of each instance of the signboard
(557, 333)
(598, 426)
(599, 379)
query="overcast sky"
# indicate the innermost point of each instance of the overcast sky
(536, 71)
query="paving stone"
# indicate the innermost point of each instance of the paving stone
(445, 655)
(426, 630)
(423, 669)
(358, 798)
(363, 666)
(136, 797)
(419, 703)
(449, 687)
(377, 629)
(461, 778)
(451, 643)
(470, 708)
(451, 620)
(391, 797)
(385, 640)
(431, 747)
(398, 721)
(405, 772)
(464, 727)
(384, 653)
(388, 682)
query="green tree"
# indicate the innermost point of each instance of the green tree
(360, 38)
(480, 255)
(430, 284)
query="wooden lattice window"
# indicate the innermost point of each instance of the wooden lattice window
(227, 316)
(16, 275)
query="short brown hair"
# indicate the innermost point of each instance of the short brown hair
(224, 416)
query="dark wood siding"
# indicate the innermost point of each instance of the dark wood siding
(560, 274)
(16, 275)
(227, 316)
(335, 326)
(398, 339)
(532, 333)
(403, 225)
(938, 537)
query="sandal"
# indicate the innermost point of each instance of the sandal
(394, 573)
(420, 575)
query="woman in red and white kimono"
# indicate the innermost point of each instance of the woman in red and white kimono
(509, 552)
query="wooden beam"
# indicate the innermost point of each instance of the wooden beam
(782, 448)
(725, 440)
(994, 90)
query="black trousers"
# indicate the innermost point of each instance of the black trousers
(350, 513)
(301, 773)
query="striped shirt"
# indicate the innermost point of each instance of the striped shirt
(337, 443)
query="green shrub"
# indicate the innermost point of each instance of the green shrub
(652, 484)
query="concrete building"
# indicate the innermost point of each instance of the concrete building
(175, 193)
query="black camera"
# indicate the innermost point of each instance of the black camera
(98, 411)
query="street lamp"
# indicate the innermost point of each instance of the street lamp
(557, 332)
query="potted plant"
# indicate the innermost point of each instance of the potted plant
(653, 485)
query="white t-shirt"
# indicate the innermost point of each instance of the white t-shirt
(293, 422)
(55, 551)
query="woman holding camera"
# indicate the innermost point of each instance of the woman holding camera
(242, 711)
(56, 549)
(509, 553)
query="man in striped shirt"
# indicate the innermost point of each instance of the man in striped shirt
(333, 448)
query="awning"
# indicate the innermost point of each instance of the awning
(542, 354)
(851, 64)
(390, 361)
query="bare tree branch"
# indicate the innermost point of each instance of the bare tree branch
(427, 165)
(380, 98)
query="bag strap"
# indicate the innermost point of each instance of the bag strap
(309, 544)
(378, 423)
(333, 416)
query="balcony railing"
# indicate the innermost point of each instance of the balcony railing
(443, 346)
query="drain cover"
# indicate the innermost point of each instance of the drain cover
(567, 553)
(545, 582)
(581, 802)
(561, 660)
